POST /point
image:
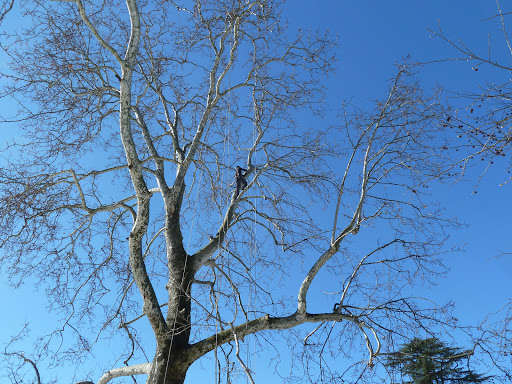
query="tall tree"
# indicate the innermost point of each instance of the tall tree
(430, 361)
(120, 199)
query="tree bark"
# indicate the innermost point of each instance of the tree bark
(170, 364)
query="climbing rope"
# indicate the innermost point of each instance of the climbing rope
(184, 267)
(224, 180)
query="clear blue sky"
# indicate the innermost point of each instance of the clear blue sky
(373, 35)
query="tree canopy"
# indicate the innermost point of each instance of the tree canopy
(119, 198)
(431, 361)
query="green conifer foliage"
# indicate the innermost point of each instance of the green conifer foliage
(431, 361)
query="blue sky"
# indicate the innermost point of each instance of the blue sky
(376, 34)
(373, 35)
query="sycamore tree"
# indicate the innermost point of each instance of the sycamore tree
(119, 198)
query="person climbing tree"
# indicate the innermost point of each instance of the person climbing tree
(240, 180)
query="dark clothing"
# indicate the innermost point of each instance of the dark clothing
(240, 181)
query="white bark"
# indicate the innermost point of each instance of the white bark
(140, 369)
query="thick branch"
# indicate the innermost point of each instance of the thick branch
(263, 323)
(200, 257)
(140, 369)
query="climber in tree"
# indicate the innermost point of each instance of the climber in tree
(240, 181)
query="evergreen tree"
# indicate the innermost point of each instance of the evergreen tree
(430, 361)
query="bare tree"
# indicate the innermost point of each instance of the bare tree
(15, 367)
(120, 196)
(16, 362)
(481, 116)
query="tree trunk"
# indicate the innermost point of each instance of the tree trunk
(169, 368)
(172, 358)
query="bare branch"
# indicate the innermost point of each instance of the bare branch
(140, 369)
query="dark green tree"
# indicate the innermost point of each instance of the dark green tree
(431, 361)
